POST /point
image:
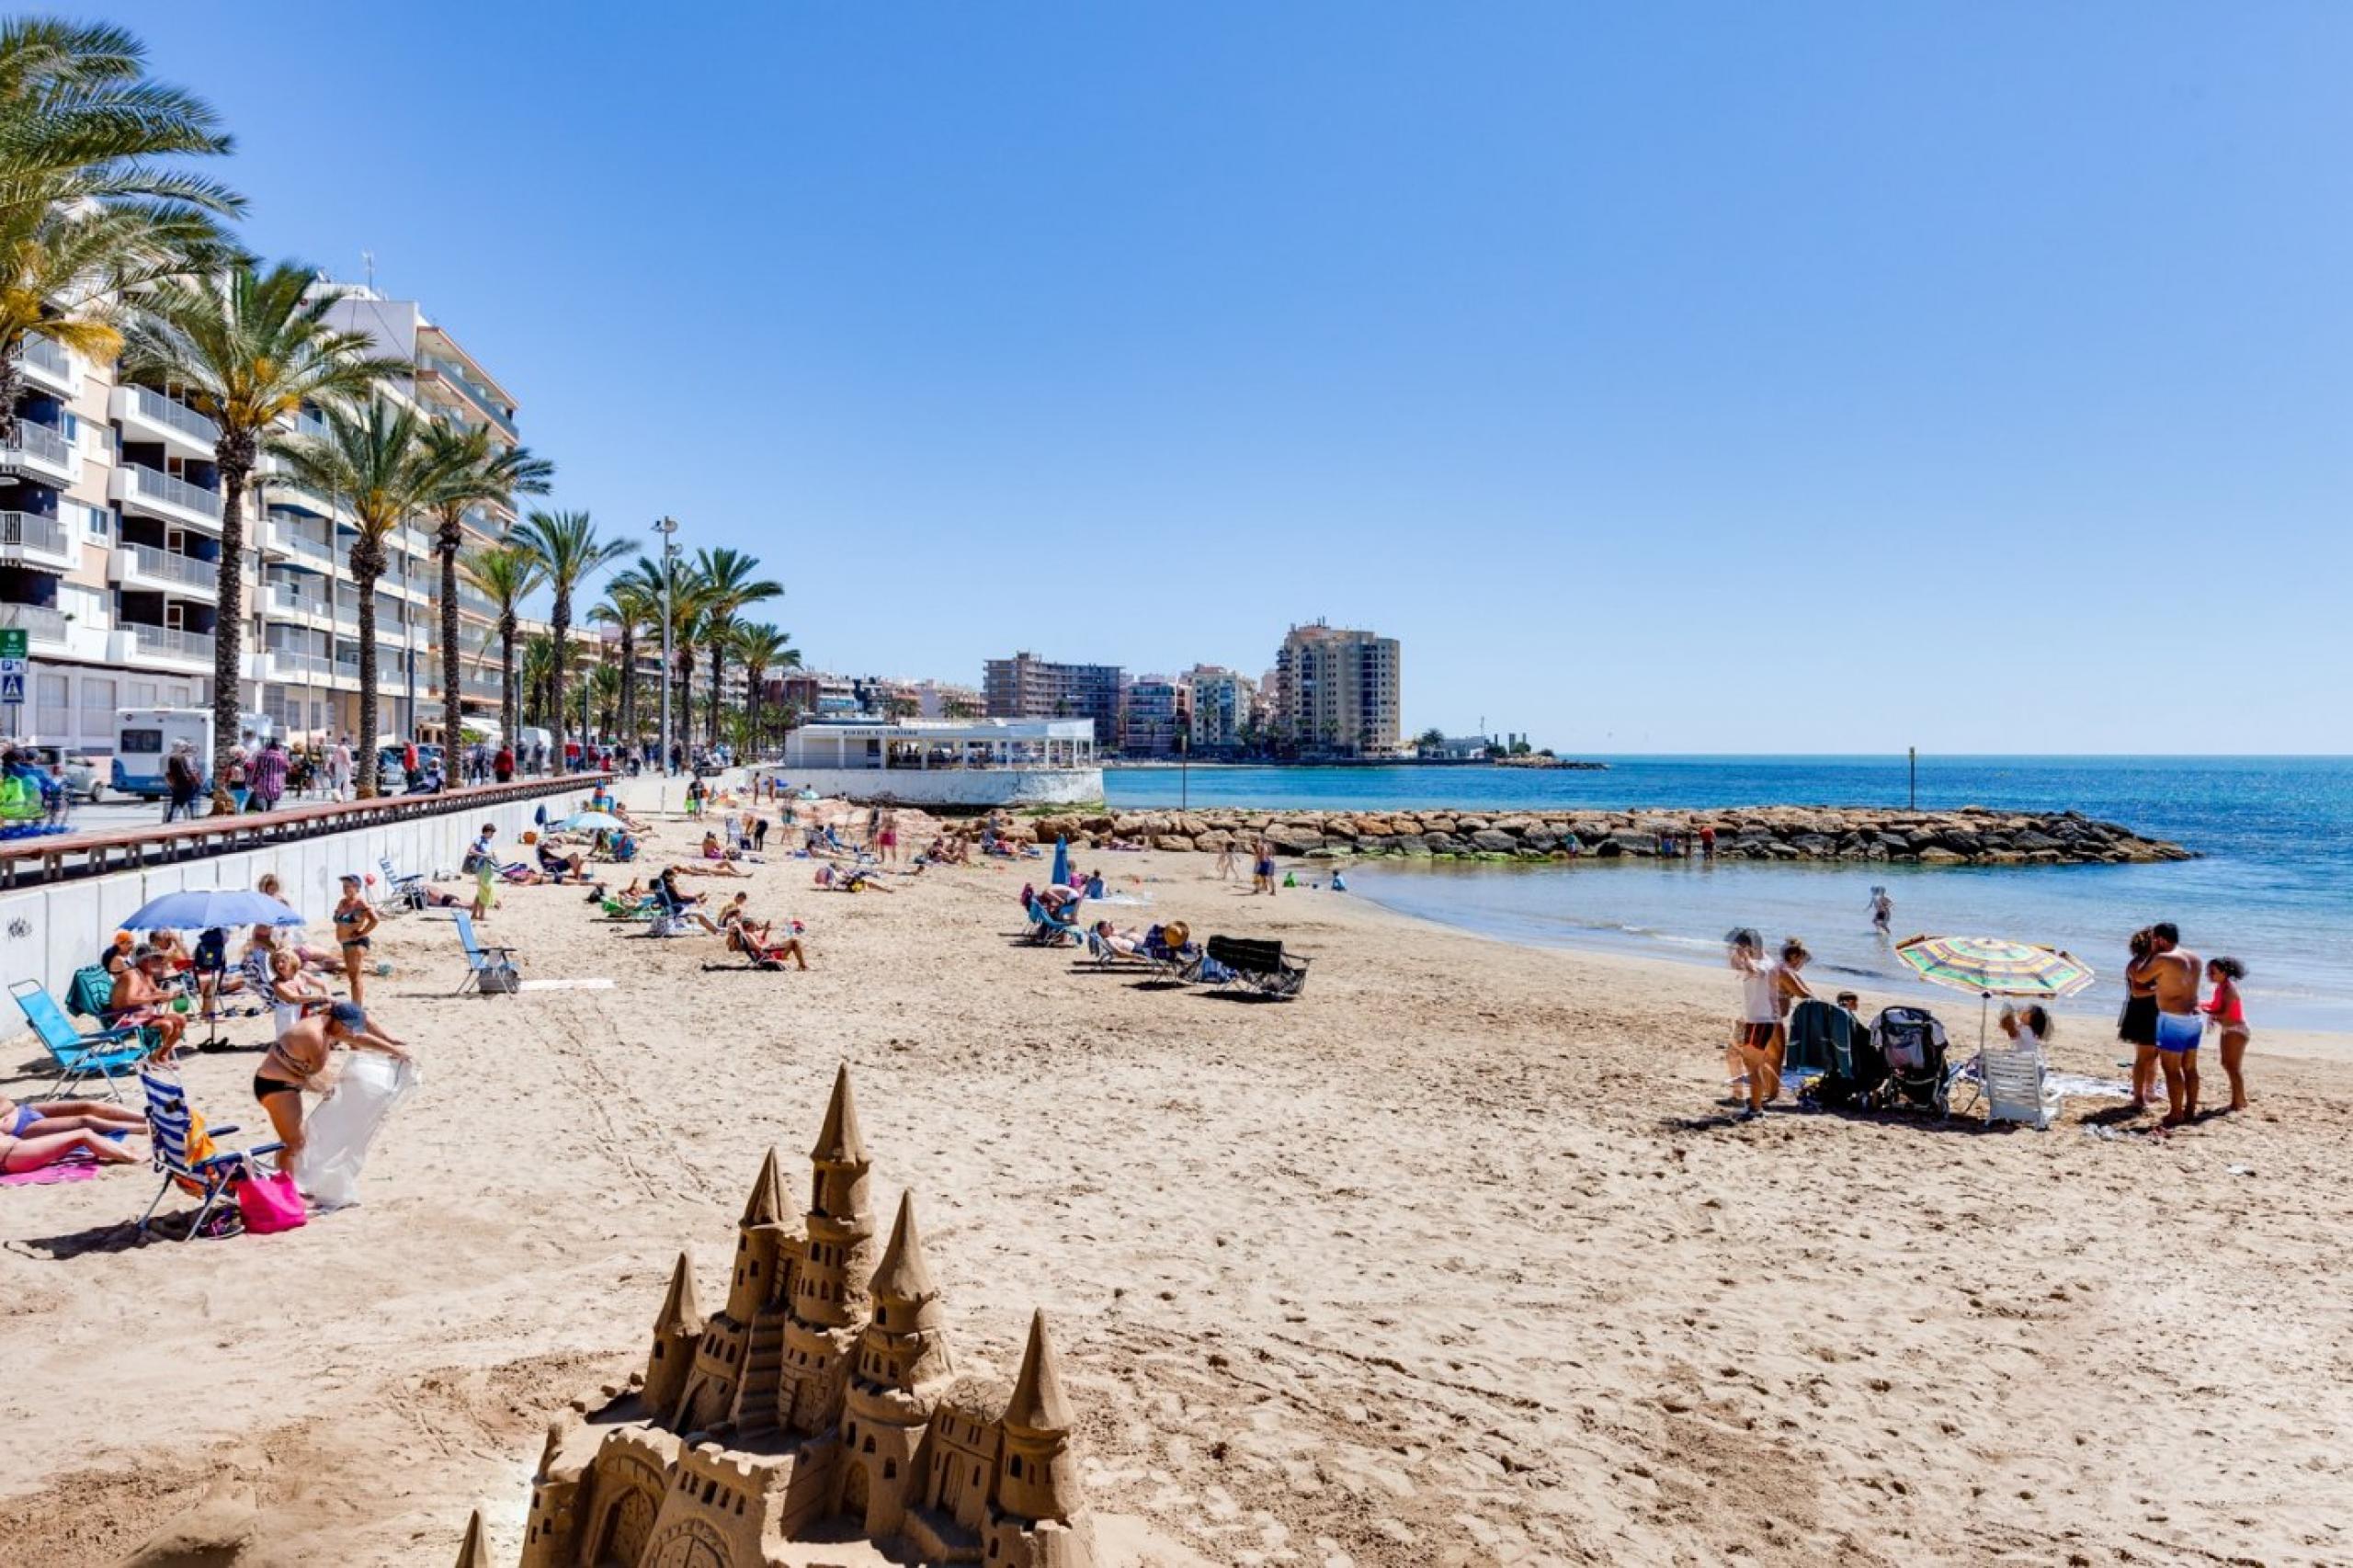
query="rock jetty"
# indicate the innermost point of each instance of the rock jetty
(1972, 835)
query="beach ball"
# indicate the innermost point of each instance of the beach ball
(370, 879)
(179, 1003)
(530, 837)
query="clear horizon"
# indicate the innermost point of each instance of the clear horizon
(1688, 383)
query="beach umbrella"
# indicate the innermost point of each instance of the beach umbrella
(1062, 861)
(201, 909)
(1994, 966)
(595, 822)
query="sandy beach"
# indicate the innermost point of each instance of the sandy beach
(1457, 1261)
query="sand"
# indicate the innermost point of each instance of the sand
(1455, 1261)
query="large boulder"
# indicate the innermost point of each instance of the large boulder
(1938, 855)
(1493, 841)
(1291, 840)
(1173, 841)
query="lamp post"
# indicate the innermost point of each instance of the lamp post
(666, 528)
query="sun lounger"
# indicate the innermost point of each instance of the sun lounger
(1047, 930)
(106, 1054)
(208, 1176)
(2014, 1082)
(1256, 966)
(400, 891)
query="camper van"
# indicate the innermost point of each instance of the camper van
(144, 738)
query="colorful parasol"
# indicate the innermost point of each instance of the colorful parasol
(1995, 966)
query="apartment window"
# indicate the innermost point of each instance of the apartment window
(143, 693)
(97, 706)
(96, 522)
(50, 711)
(176, 696)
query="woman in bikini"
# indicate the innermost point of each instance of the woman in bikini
(300, 1059)
(2227, 1009)
(2137, 1025)
(353, 922)
(32, 1150)
(54, 1119)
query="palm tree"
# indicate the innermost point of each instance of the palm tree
(605, 686)
(378, 461)
(632, 600)
(248, 349)
(480, 473)
(761, 647)
(92, 207)
(689, 602)
(505, 573)
(569, 550)
(729, 587)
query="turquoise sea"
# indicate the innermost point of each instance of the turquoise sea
(2274, 887)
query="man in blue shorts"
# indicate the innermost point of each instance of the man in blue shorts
(2180, 1025)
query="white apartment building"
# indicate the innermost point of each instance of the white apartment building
(1220, 709)
(1336, 691)
(111, 545)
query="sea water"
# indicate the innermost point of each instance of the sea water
(2273, 887)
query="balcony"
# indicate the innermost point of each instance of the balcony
(290, 664)
(30, 540)
(171, 642)
(285, 598)
(46, 363)
(143, 489)
(433, 369)
(46, 626)
(144, 566)
(147, 414)
(42, 451)
(284, 535)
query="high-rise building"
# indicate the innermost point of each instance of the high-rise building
(1153, 714)
(1221, 700)
(110, 553)
(1336, 691)
(1026, 686)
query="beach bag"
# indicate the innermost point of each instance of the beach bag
(270, 1203)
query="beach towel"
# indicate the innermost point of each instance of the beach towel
(75, 1167)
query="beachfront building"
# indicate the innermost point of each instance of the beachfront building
(1026, 686)
(110, 552)
(945, 699)
(824, 1398)
(971, 762)
(1337, 692)
(1220, 708)
(1154, 713)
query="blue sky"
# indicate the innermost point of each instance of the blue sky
(1699, 377)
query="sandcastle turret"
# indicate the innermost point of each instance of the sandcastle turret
(676, 1329)
(828, 1289)
(902, 1364)
(760, 1243)
(471, 1552)
(1039, 1518)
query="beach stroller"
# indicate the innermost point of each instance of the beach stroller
(1910, 1044)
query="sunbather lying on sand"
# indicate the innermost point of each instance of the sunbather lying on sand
(708, 868)
(861, 879)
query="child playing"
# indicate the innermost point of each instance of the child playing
(2227, 1011)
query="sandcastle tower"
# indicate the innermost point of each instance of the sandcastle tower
(677, 1330)
(760, 1248)
(828, 1283)
(471, 1552)
(1037, 1515)
(903, 1364)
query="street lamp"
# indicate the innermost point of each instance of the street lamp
(666, 528)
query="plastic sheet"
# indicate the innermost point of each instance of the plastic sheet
(345, 1123)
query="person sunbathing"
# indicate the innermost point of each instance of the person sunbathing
(707, 868)
(681, 905)
(752, 938)
(858, 880)
(558, 867)
(141, 1000)
(50, 1118)
(20, 1153)
(1129, 943)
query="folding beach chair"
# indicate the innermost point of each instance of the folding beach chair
(184, 1152)
(400, 891)
(1106, 955)
(1259, 967)
(106, 1054)
(87, 995)
(1049, 930)
(489, 969)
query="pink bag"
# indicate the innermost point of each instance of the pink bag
(270, 1202)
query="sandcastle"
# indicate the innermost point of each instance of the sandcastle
(822, 1406)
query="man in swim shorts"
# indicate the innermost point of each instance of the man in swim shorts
(2180, 1025)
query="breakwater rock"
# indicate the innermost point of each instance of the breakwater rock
(1972, 835)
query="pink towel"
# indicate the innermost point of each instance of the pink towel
(71, 1170)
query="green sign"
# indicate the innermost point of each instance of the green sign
(12, 641)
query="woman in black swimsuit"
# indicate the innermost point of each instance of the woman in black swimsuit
(301, 1056)
(2137, 1025)
(353, 920)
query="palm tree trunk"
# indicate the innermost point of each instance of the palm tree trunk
(507, 695)
(366, 566)
(234, 458)
(561, 627)
(12, 382)
(628, 681)
(453, 704)
(718, 702)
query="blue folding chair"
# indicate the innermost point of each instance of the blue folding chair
(1047, 929)
(490, 969)
(106, 1054)
(170, 1128)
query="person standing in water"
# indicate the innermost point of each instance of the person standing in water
(1883, 912)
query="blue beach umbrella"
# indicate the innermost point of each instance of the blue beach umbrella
(201, 909)
(595, 822)
(1062, 861)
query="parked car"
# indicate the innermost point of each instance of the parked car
(84, 779)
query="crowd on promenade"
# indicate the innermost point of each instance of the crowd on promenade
(2174, 1002)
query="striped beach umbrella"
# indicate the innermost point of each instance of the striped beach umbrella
(1995, 966)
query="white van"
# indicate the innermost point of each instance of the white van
(144, 737)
